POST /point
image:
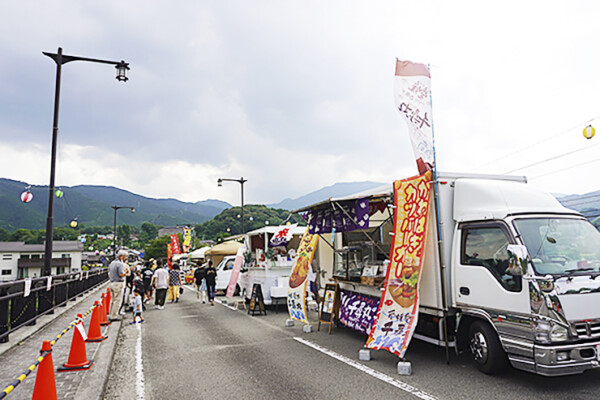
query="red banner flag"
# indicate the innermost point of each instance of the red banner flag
(175, 244)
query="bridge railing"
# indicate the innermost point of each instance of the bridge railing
(17, 309)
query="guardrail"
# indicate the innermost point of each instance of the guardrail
(17, 310)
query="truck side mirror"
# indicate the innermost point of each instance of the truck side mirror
(517, 259)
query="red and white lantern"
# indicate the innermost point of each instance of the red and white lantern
(26, 196)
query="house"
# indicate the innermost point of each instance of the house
(19, 260)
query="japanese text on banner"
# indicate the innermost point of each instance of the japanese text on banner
(412, 86)
(299, 278)
(397, 315)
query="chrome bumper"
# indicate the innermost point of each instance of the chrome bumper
(556, 360)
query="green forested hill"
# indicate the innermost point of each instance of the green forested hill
(91, 205)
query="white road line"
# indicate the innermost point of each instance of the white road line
(139, 368)
(376, 374)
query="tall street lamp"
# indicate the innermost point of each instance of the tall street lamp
(115, 227)
(60, 59)
(241, 181)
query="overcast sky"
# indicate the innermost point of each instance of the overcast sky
(294, 96)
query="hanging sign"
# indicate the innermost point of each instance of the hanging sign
(27, 288)
(296, 299)
(235, 272)
(397, 315)
(357, 311)
(257, 302)
(343, 217)
(412, 88)
(49, 284)
(81, 330)
(329, 306)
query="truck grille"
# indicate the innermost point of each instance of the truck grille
(588, 329)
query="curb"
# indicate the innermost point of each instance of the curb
(93, 384)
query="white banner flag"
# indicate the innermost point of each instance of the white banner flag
(412, 86)
(49, 284)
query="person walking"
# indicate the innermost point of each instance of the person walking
(117, 271)
(147, 274)
(160, 281)
(174, 284)
(211, 281)
(199, 274)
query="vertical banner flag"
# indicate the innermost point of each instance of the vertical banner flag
(412, 88)
(283, 235)
(299, 278)
(169, 254)
(396, 318)
(187, 239)
(235, 273)
(175, 244)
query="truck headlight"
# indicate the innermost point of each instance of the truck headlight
(547, 332)
(541, 331)
(559, 333)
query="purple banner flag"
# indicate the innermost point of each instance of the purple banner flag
(344, 217)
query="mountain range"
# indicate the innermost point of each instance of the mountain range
(92, 205)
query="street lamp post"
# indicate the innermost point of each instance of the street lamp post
(115, 207)
(241, 181)
(60, 59)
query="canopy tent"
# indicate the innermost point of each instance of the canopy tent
(198, 254)
(218, 252)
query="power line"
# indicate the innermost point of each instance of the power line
(564, 169)
(538, 142)
(552, 158)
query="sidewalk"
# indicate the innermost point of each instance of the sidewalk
(25, 344)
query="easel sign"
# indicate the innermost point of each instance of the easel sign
(257, 302)
(330, 305)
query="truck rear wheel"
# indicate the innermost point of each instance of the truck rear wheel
(486, 348)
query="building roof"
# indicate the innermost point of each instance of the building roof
(58, 245)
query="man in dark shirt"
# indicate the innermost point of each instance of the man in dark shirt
(211, 281)
(199, 275)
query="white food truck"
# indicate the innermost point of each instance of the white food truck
(271, 269)
(543, 318)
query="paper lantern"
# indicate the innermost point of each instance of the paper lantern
(58, 193)
(589, 132)
(73, 223)
(26, 196)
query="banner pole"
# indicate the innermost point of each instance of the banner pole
(440, 235)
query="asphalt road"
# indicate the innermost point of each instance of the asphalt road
(193, 350)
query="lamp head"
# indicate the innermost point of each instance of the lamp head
(219, 182)
(132, 209)
(122, 69)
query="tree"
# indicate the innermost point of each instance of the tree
(148, 232)
(157, 248)
(124, 235)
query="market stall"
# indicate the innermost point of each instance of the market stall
(358, 229)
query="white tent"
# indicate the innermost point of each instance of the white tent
(198, 253)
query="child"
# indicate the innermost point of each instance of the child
(137, 306)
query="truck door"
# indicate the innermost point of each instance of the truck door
(480, 277)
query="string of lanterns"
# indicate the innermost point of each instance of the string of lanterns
(27, 197)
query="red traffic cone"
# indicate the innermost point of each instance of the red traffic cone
(94, 333)
(45, 384)
(108, 297)
(103, 312)
(77, 355)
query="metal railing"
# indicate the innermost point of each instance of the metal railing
(17, 310)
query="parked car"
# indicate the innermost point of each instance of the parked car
(224, 270)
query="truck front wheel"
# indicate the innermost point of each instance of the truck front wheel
(486, 348)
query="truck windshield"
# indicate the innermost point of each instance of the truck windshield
(561, 246)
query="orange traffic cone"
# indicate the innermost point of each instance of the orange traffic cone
(94, 333)
(103, 312)
(108, 297)
(77, 356)
(45, 384)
